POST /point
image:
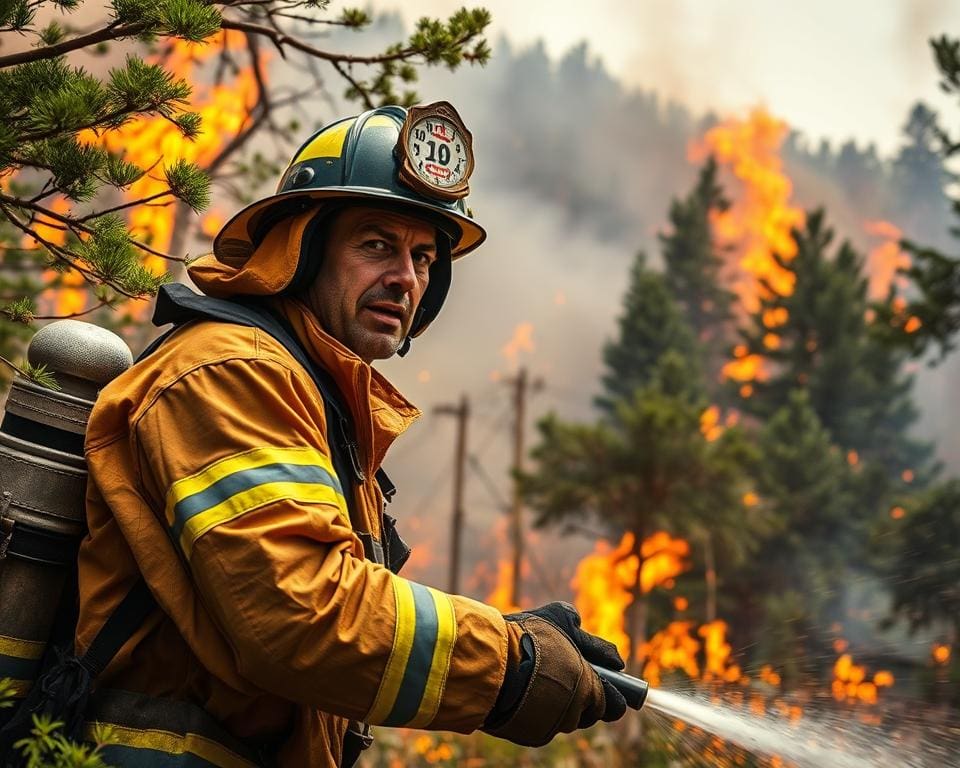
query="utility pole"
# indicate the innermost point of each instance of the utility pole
(462, 412)
(520, 384)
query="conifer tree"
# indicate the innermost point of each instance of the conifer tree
(646, 468)
(693, 262)
(827, 339)
(650, 325)
(53, 111)
(925, 572)
(645, 464)
(796, 576)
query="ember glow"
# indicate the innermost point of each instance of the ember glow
(521, 341)
(852, 684)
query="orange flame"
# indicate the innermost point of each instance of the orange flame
(710, 426)
(718, 652)
(521, 341)
(760, 221)
(604, 580)
(501, 597)
(156, 142)
(885, 259)
(673, 647)
(941, 653)
(850, 681)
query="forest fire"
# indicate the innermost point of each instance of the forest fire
(155, 142)
(885, 259)
(675, 648)
(759, 222)
(604, 581)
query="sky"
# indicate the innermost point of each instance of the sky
(837, 69)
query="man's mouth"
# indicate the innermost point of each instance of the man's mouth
(388, 313)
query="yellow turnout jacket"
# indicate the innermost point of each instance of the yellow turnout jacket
(211, 475)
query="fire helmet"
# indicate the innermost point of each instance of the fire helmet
(415, 161)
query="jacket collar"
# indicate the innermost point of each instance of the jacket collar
(380, 412)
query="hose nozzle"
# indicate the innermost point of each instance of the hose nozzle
(634, 689)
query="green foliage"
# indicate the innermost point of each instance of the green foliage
(433, 42)
(47, 747)
(807, 479)
(189, 19)
(692, 261)
(17, 14)
(650, 325)
(114, 260)
(141, 87)
(925, 572)
(7, 691)
(189, 182)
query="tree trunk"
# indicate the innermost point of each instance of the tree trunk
(710, 568)
(637, 613)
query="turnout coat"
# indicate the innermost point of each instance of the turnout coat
(211, 475)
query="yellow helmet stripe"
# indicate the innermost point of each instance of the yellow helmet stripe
(328, 143)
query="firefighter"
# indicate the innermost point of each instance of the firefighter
(276, 627)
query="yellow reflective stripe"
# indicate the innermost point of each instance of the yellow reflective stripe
(174, 744)
(21, 649)
(256, 457)
(440, 666)
(399, 655)
(249, 500)
(328, 144)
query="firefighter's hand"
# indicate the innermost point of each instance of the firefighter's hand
(553, 689)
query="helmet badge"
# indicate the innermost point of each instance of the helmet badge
(435, 152)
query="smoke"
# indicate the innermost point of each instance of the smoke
(575, 173)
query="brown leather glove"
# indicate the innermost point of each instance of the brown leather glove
(553, 689)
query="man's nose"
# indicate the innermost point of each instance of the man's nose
(402, 273)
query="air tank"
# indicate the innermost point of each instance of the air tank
(43, 479)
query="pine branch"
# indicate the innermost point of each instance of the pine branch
(113, 31)
(100, 305)
(78, 225)
(122, 206)
(281, 39)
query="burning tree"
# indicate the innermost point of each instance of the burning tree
(649, 464)
(69, 122)
(693, 262)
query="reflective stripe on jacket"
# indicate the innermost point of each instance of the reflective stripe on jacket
(210, 474)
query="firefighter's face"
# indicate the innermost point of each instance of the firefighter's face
(375, 270)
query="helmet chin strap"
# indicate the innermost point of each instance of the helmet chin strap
(405, 346)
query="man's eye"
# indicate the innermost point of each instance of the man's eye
(377, 245)
(424, 259)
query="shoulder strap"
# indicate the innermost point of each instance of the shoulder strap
(177, 304)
